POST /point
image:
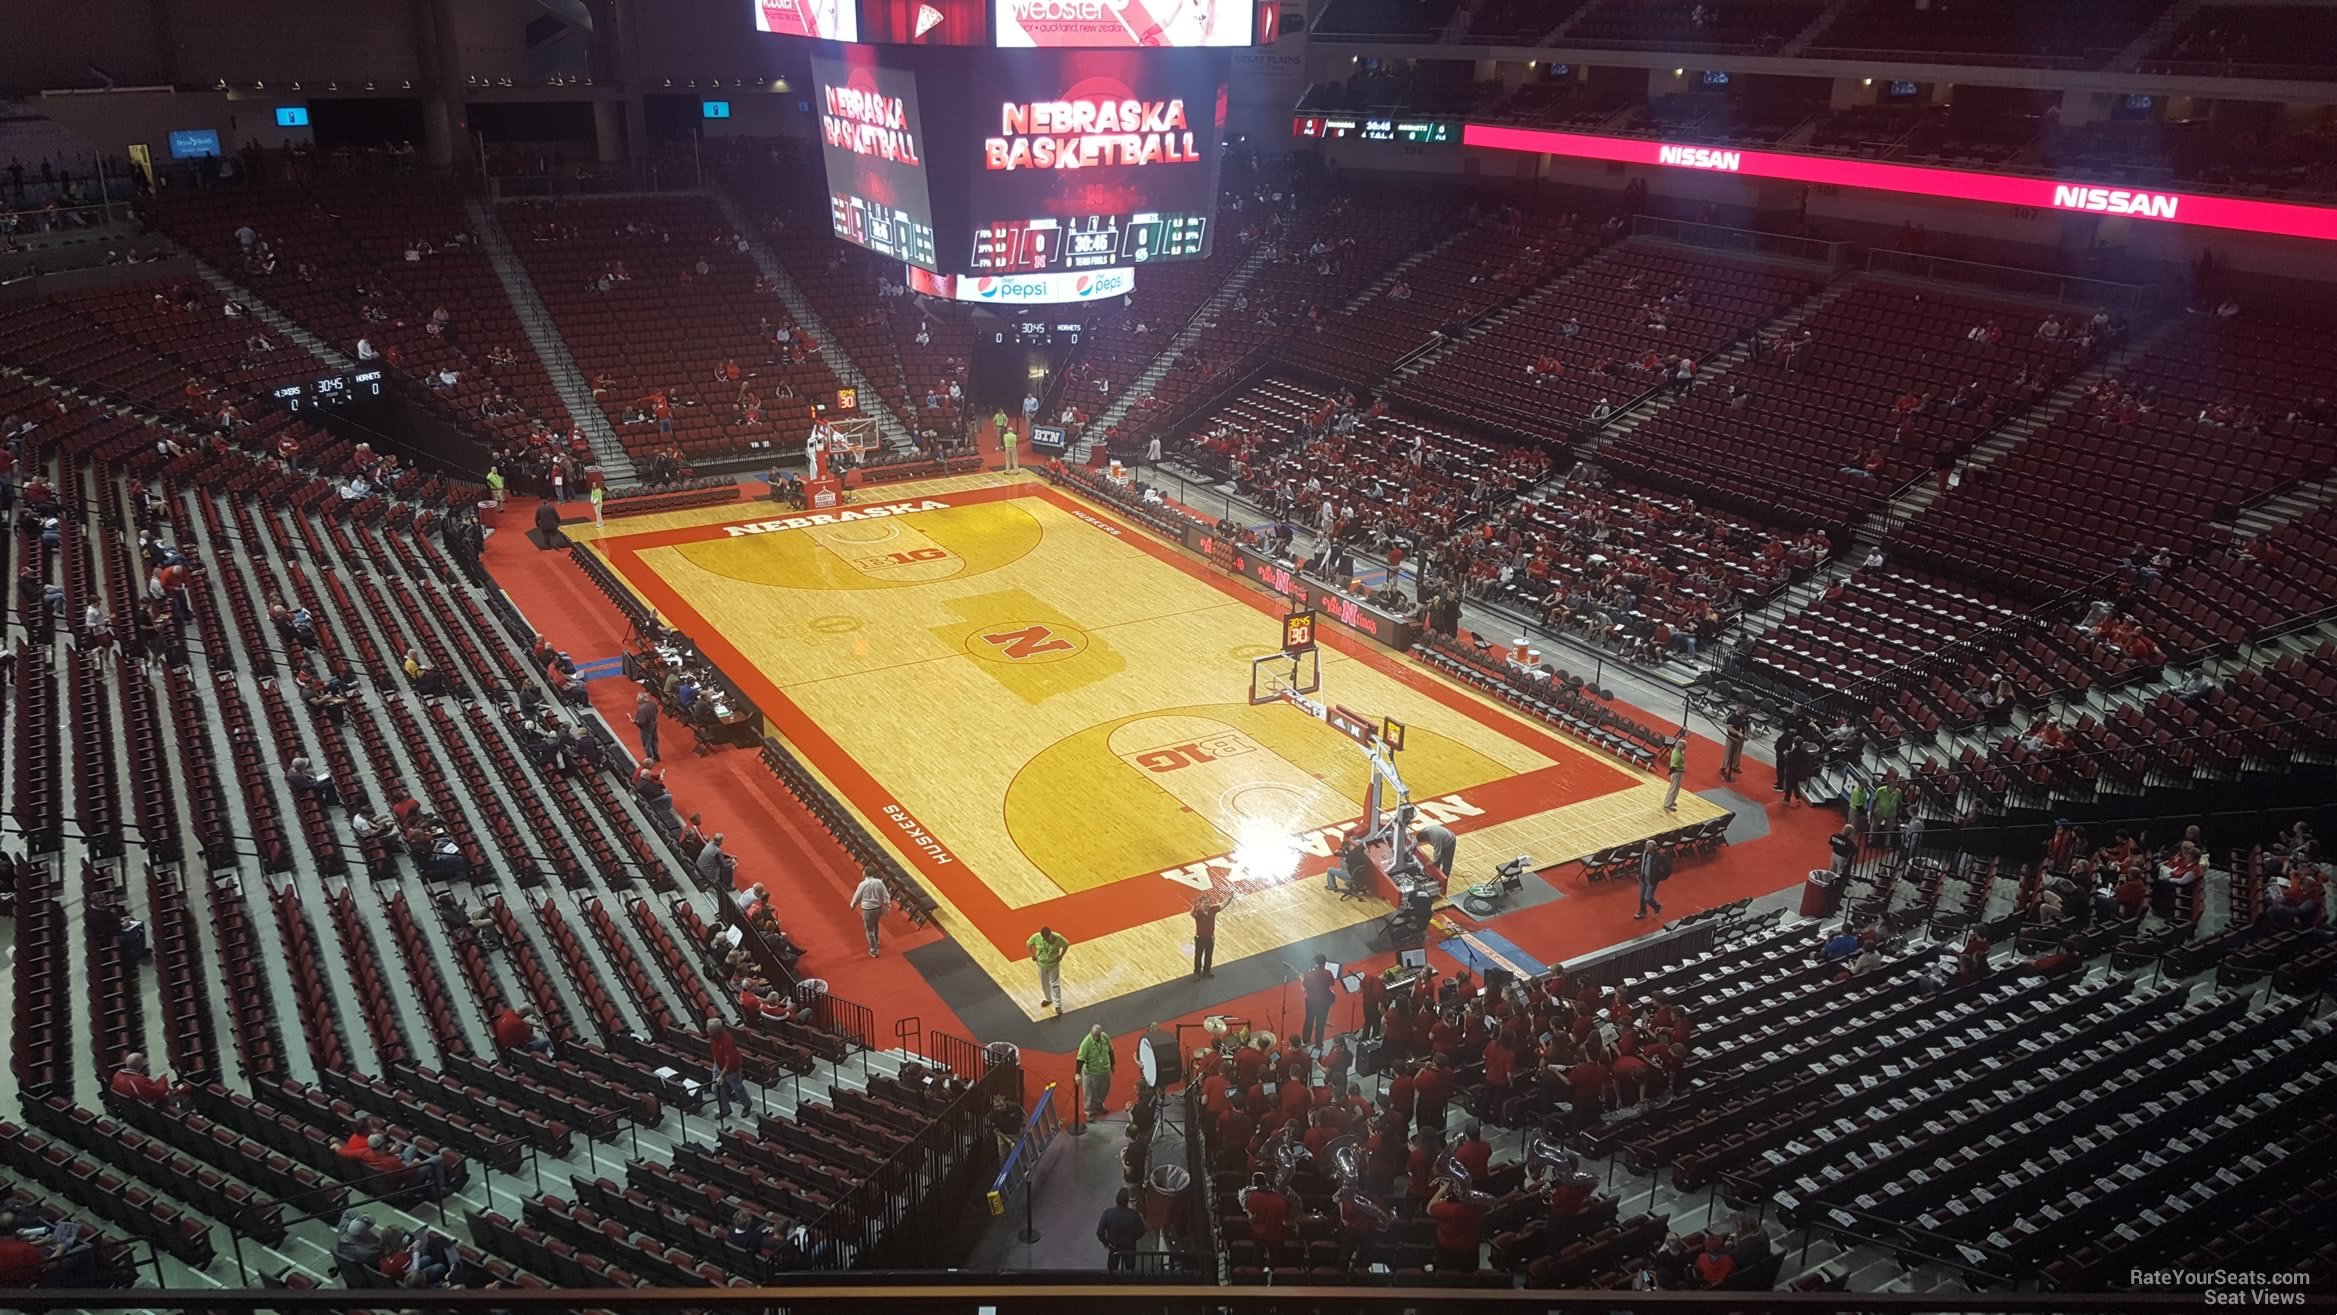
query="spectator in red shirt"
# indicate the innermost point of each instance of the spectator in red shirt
(1336, 1064)
(1713, 1263)
(1317, 985)
(133, 1082)
(1248, 1063)
(1293, 1098)
(517, 1031)
(1401, 1094)
(1375, 998)
(1460, 1229)
(1420, 1180)
(402, 1169)
(1269, 1212)
(26, 1262)
(1431, 1090)
(728, 1069)
(1475, 1154)
(1500, 1065)
(1444, 1036)
(1588, 1080)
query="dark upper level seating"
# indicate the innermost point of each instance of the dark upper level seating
(1988, 31)
(1738, 26)
(2248, 41)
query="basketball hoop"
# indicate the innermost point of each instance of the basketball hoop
(1285, 677)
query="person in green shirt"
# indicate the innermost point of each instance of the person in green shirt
(1047, 949)
(495, 484)
(1095, 1069)
(1678, 771)
(599, 495)
(1887, 799)
(1005, 435)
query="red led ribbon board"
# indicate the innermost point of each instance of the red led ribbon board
(2235, 213)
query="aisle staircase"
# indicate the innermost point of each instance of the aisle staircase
(1203, 320)
(535, 319)
(896, 431)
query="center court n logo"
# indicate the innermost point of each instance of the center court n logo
(1028, 642)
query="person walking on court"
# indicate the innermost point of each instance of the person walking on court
(1318, 983)
(1740, 727)
(1205, 910)
(495, 485)
(1095, 1070)
(729, 1082)
(645, 718)
(1655, 863)
(869, 897)
(1047, 949)
(1679, 771)
(1005, 435)
(599, 495)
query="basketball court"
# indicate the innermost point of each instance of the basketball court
(1048, 713)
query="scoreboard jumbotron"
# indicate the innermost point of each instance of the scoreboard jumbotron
(1035, 246)
(1067, 143)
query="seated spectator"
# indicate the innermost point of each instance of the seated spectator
(133, 1082)
(714, 866)
(33, 1254)
(424, 679)
(357, 1250)
(517, 1031)
(303, 777)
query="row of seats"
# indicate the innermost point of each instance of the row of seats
(1390, 477)
(1492, 377)
(1825, 440)
(106, 1195)
(340, 270)
(666, 330)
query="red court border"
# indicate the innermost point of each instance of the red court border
(1083, 915)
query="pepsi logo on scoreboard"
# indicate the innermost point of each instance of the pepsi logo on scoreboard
(1026, 289)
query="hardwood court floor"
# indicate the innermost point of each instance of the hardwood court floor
(1045, 713)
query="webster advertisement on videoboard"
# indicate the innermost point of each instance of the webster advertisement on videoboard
(1135, 24)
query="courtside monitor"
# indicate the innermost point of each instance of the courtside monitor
(292, 116)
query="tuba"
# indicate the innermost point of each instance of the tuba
(1346, 1158)
(1544, 1154)
(1288, 1153)
(1450, 1169)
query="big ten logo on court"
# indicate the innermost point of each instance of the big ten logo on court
(1038, 642)
(1175, 757)
(882, 560)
